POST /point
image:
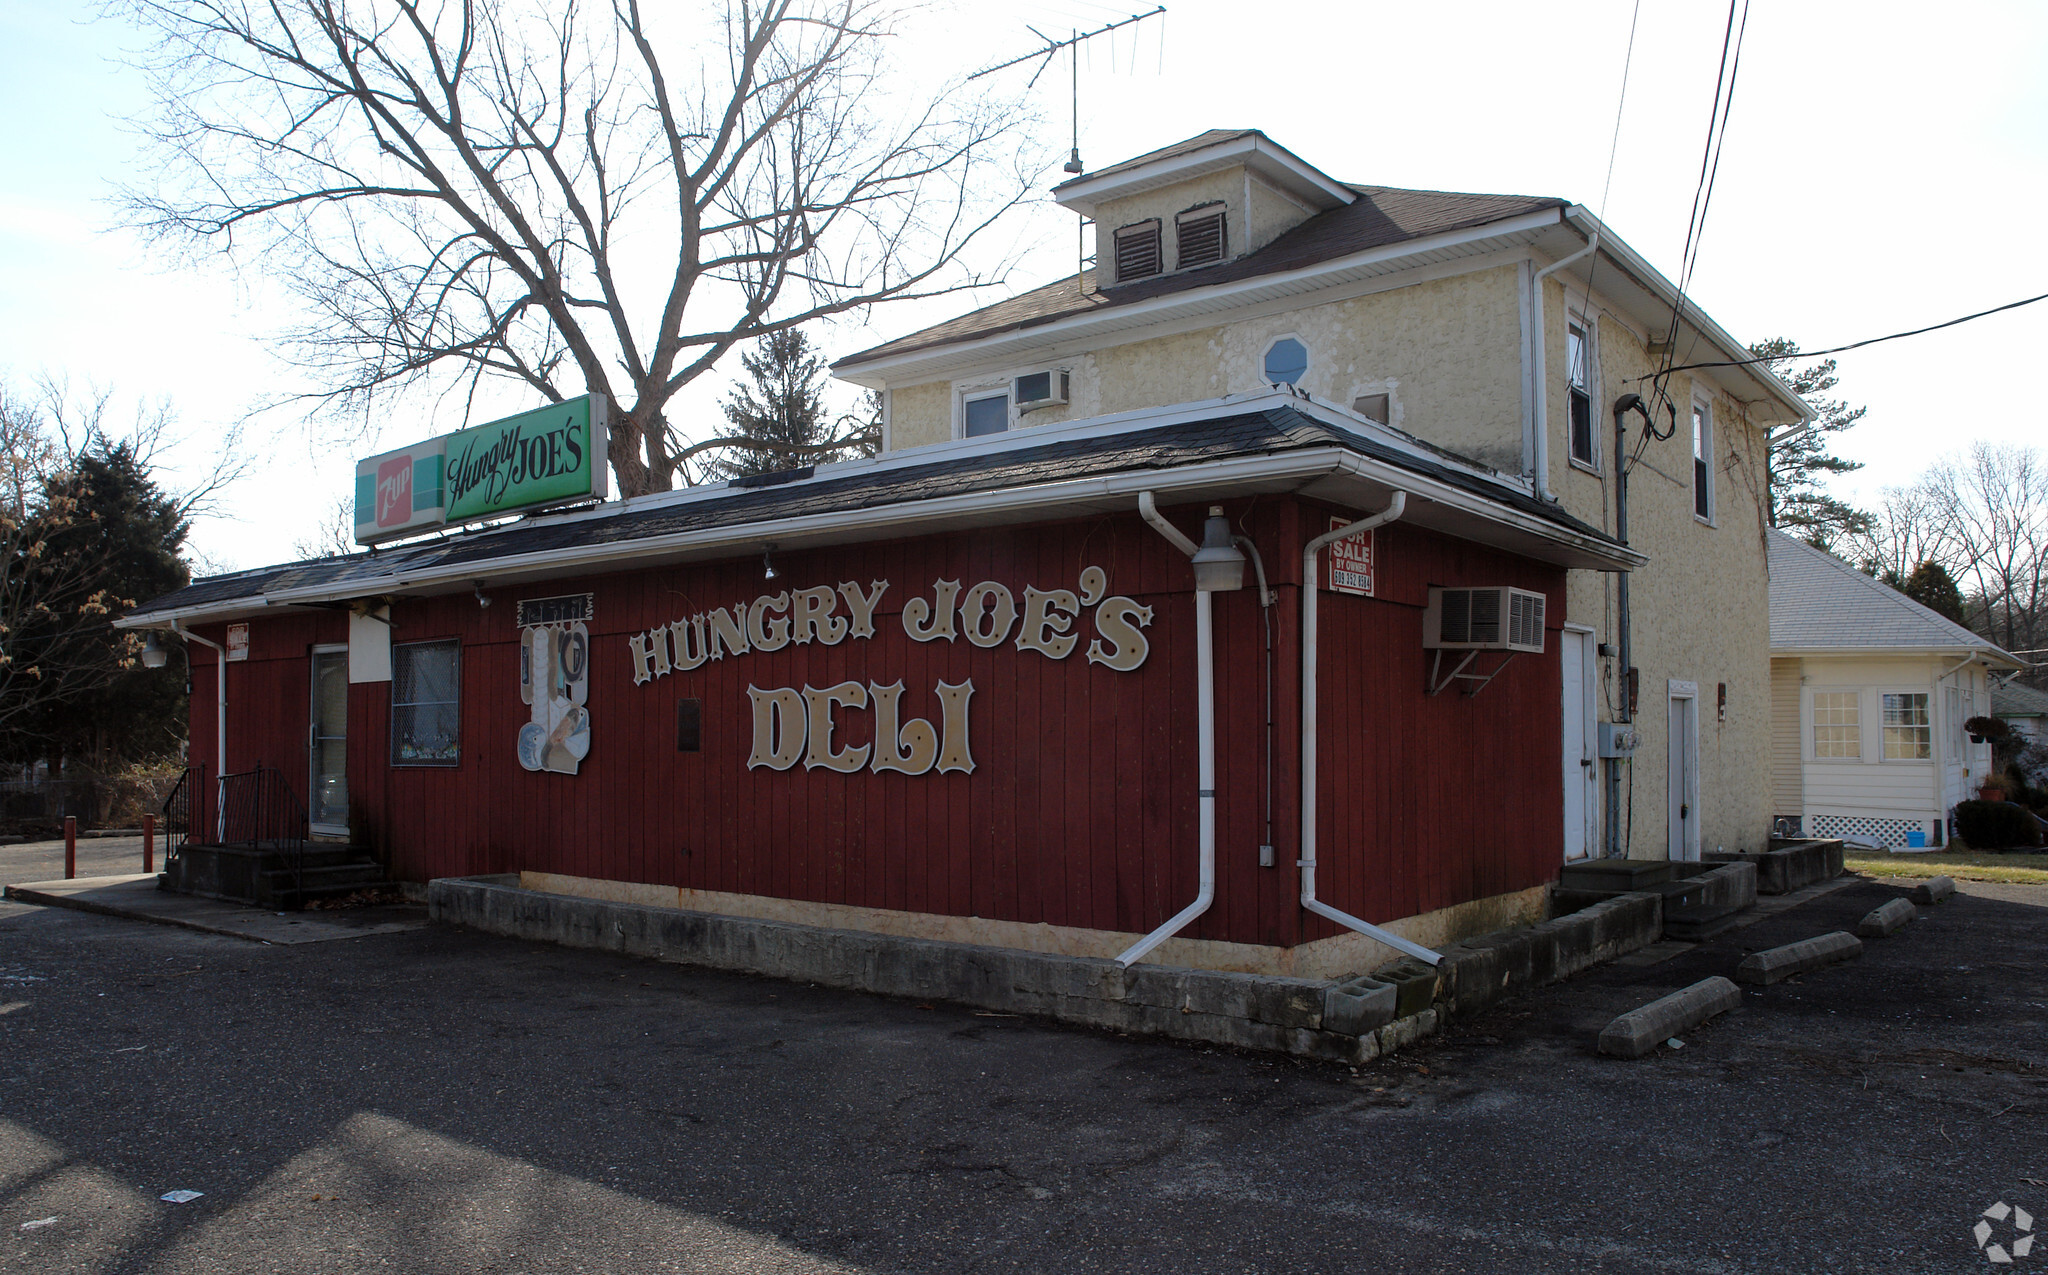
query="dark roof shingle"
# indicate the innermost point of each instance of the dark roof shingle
(1267, 431)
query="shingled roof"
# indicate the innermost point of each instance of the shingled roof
(1226, 435)
(1819, 602)
(1381, 215)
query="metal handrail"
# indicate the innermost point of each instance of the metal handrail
(181, 819)
(258, 808)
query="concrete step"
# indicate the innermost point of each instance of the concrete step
(1700, 921)
(1615, 876)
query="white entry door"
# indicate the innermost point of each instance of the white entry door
(1581, 764)
(1682, 783)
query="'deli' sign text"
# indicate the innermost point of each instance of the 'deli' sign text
(796, 724)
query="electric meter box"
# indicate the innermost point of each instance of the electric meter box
(1617, 739)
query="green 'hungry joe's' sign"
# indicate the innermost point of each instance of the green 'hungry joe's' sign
(543, 457)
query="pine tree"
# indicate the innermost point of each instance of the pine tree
(1932, 587)
(784, 408)
(1801, 463)
(126, 533)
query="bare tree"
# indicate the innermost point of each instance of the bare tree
(524, 190)
(1908, 527)
(1995, 502)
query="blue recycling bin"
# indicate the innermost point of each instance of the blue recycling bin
(1916, 840)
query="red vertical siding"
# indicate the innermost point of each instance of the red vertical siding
(1081, 810)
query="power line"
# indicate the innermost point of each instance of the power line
(1854, 345)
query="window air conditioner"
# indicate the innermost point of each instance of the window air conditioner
(1493, 619)
(1041, 389)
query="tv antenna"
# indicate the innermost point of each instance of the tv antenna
(1072, 44)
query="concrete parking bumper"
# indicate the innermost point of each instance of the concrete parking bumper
(1640, 1031)
(1780, 963)
(1886, 919)
(1934, 890)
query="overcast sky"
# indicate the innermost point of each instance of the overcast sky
(1884, 169)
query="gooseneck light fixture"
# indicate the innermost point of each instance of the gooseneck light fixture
(153, 653)
(768, 571)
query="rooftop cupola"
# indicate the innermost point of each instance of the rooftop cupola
(1209, 199)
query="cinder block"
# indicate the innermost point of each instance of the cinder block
(1359, 1005)
(1797, 958)
(1639, 1031)
(1415, 983)
(1934, 890)
(1886, 919)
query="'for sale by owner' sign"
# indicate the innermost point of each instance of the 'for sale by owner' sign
(1351, 561)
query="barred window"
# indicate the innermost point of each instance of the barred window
(1908, 729)
(426, 703)
(1837, 725)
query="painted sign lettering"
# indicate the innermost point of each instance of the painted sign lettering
(547, 456)
(1351, 562)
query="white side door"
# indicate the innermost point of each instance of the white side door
(1581, 763)
(1682, 780)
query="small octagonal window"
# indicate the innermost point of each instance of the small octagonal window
(1286, 361)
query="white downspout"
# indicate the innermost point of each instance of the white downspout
(220, 711)
(1310, 586)
(1205, 731)
(1543, 370)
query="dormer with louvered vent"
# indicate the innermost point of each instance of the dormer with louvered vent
(1205, 201)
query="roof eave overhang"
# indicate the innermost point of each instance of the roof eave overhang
(247, 607)
(1336, 474)
(1270, 160)
(1989, 654)
(1665, 293)
(940, 357)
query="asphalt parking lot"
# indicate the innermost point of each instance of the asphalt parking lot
(439, 1101)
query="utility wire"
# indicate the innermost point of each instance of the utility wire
(1854, 345)
(1703, 195)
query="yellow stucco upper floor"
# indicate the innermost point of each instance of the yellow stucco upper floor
(1427, 311)
(1504, 328)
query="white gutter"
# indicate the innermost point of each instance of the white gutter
(1651, 280)
(1205, 734)
(1286, 469)
(1542, 394)
(220, 711)
(1311, 570)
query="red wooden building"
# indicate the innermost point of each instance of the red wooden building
(955, 692)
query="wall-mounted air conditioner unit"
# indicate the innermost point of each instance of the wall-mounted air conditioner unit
(1041, 389)
(1491, 619)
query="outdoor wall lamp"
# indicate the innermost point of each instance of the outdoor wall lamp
(153, 653)
(768, 571)
(1219, 564)
(482, 599)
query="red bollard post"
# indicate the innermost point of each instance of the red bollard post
(149, 843)
(70, 846)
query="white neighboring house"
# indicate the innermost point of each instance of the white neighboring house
(1869, 693)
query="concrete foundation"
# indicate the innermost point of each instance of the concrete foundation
(1790, 865)
(1345, 1020)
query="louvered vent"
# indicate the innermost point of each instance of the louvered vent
(1137, 251)
(1496, 619)
(1200, 235)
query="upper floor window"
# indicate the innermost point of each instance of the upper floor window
(1137, 251)
(1286, 361)
(984, 414)
(1908, 730)
(1199, 235)
(1702, 469)
(1579, 380)
(1837, 725)
(426, 703)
